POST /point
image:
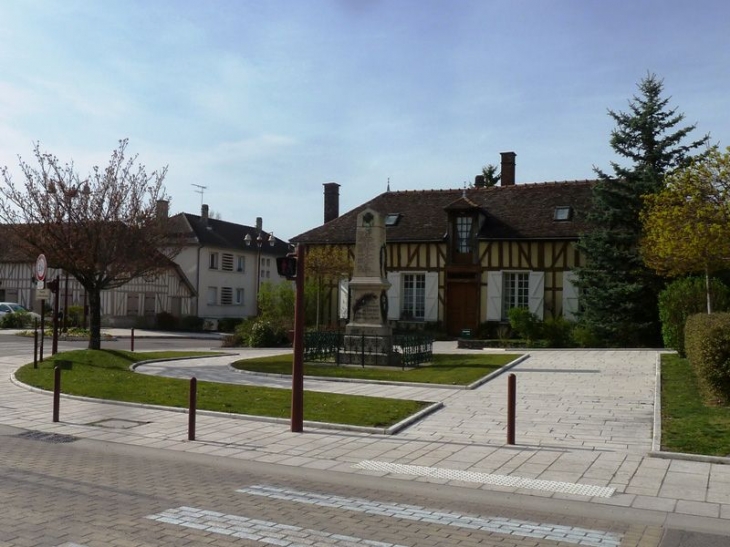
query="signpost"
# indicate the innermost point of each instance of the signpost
(42, 293)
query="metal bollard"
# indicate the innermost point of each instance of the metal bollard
(132, 340)
(192, 408)
(35, 344)
(511, 404)
(56, 392)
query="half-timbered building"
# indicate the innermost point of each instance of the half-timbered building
(462, 257)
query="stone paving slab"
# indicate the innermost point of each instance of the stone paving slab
(584, 417)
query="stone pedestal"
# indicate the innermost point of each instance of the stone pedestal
(368, 337)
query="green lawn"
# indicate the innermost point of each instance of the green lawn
(105, 374)
(458, 370)
(690, 424)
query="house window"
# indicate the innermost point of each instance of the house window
(212, 296)
(213, 262)
(414, 296)
(563, 213)
(391, 219)
(239, 297)
(241, 263)
(226, 296)
(463, 234)
(227, 262)
(515, 291)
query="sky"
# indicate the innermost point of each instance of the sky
(261, 102)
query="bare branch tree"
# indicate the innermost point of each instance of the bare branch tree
(104, 230)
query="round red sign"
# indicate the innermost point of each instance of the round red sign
(40, 267)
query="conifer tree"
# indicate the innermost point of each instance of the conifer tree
(618, 292)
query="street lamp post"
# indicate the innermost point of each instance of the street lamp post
(259, 243)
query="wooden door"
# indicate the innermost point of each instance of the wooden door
(462, 307)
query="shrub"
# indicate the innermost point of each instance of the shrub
(585, 337)
(265, 334)
(526, 324)
(191, 322)
(75, 316)
(558, 332)
(683, 298)
(707, 342)
(166, 321)
(16, 320)
(229, 324)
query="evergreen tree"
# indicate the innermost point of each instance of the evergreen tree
(619, 293)
(491, 177)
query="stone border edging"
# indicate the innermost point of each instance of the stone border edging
(473, 385)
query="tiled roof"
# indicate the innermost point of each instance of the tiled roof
(227, 235)
(520, 211)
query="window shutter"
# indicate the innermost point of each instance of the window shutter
(537, 293)
(570, 295)
(432, 297)
(494, 296)
(344, 291)
(394, 295)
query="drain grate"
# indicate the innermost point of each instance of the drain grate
(54, 438)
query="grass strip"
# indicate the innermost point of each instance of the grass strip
(105, 374)
(448, 369)
(690, 424)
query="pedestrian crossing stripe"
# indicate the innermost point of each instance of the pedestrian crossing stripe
(263, 531)
(513, 527)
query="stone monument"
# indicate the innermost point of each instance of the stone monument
(368, 336)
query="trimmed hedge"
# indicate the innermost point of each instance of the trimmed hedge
(707, 343)
(684, 297)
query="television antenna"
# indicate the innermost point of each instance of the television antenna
(200, 190)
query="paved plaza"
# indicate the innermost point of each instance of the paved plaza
(585, 431)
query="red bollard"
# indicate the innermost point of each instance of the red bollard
(56, 391)
(132, 340)
(35, 345)
(511, 404)
(192, 408)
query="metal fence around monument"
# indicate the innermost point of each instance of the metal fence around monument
(330, 346)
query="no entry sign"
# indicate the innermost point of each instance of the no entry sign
(40, 267)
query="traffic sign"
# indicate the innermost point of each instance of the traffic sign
(40, 267)
(43, 294)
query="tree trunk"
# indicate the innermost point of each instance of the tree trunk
(95, 319)
(319, 292)
(707, 291)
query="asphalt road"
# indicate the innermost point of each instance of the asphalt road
(60, 491)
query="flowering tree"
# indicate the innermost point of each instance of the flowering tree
(104, 230)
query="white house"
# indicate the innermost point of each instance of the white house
(226, 263)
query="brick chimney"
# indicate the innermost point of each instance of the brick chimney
(508, 169)
(204, 215)
(331, 201)
(259, 224)
(162, 209)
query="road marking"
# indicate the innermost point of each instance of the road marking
(487, 478)
(263, 531)
(500, 525)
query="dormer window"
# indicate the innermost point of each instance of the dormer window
(463, 234)
(563, 213)
(391, 219)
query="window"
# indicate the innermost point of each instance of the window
(239, 297)
(414, 296)
(227, 262)
(213, 262)
(515, 291)
(226, 296)
(563, 213)
(241, 264)
(212, 296)
(463, 234)
(391, 219)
